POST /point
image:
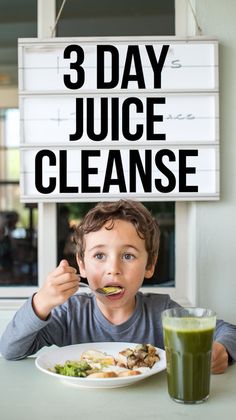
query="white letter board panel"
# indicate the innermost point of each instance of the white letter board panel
(96, 110)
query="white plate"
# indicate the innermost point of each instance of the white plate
(61, 355)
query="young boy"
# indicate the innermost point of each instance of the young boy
(117, 245)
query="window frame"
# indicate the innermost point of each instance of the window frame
(184, 291)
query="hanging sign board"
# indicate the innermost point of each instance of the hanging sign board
(119, 117)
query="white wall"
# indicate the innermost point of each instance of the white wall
(216, 221)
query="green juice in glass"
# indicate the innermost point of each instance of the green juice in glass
(188, 345)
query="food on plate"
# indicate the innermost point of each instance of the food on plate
(103, 375)
(111, 374)
(98, 364)
(72, 368)
(124, 373)
(96, 357)
(143, 355)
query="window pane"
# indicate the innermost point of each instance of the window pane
(69, 215)
(164, 275)
(10, 165)
(18, 235)
(18, 239)
(12, 127)
(121, 18)
(18, 19)
(9, 145)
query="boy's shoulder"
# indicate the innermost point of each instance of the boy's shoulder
(159, 300)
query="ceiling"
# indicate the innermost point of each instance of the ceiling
(18, 19)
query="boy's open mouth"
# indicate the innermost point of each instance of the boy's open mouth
(110, 290)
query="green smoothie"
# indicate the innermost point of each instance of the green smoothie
(188, 354)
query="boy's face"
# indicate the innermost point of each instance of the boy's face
(115, 257)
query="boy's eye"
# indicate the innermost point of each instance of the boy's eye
(128, 256)
(99, 256)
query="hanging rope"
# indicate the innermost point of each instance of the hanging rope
(57, 19)
(199, 29)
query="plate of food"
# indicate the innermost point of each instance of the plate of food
(102, 365)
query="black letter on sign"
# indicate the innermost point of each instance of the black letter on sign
(133, 53)
(114, 118)
(145, 175)
(101, 83)
(114, 157)
(151, 118)
(91, 119)
(79, 120)
(160, 165)
(63, 174)
(86, 170)
(76, 66)
(39, 171)
(157, 65)
(126, 119)
(183, 170)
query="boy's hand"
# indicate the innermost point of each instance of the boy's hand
(59, 286)
(219, 358)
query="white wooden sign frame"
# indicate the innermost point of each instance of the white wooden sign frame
(182, 105)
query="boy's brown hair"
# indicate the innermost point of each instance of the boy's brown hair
(128, 210)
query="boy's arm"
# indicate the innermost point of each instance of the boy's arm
(219, 358)
(23, 335)
(224, 346)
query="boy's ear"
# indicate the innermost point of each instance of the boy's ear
(150, 268)
(81, 266)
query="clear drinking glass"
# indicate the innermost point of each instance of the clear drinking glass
(188, 337)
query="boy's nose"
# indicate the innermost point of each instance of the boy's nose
(113, 267)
